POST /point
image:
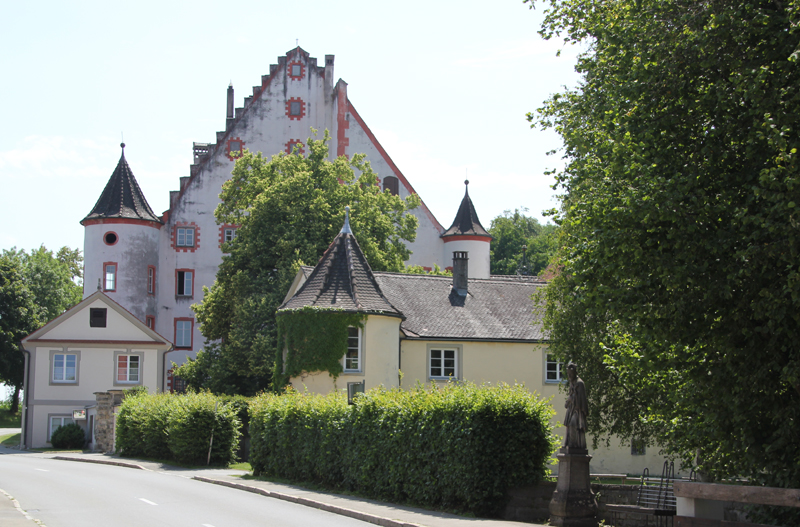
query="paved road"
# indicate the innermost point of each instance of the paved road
(69, 494)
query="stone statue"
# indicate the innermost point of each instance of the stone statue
(577, 408)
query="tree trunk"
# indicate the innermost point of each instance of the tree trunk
(15, 400)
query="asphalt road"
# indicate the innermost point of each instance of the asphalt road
(69, 494)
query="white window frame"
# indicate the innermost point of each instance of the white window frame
(64, 420)
(188, 282)
(184, 236)
(128, 356)
(183, 332)
(359, 353)
(440, 353)
(229, 234)
(54, 354)
(558, 369)
(110, 279)
(298, 72)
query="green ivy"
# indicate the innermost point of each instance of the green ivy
(315, 339)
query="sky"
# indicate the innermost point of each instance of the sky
(445, 86)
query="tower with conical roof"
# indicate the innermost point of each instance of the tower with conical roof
(120, 244)
(467, 235)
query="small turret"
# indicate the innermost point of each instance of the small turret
(467, 235)
(121, 243)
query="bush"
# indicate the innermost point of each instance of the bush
(460, 446)
(192, 420)
(167, 426)
(69, 436)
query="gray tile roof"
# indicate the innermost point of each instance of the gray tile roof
(342, 279)
(466, 222)
(122, 197)
(497, 308)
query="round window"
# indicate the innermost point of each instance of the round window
(110, 238)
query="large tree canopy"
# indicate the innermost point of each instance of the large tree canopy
(36, 288)
(290, 208)
(514, 234)
(680, 284)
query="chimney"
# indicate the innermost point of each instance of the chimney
(460, 261)
(229, 115)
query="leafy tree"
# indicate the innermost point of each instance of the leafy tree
(52, 281)
(515, 233)
(290, 208)
(18, 318)
(680, 287)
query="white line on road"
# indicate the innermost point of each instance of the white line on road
(42, 470)
(148, 501)
(207, 525)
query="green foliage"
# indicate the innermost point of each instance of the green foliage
(290, 208)
(459, 446)
(310, 351)
(19, 316)
(142, 425)
(680, 286)
(69, 437)
(167, 426)
(436, 271)
(515, 233)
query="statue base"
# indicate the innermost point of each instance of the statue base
(573, 503)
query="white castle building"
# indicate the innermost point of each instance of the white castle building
(155, 266)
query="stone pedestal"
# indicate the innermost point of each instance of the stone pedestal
(573, 503)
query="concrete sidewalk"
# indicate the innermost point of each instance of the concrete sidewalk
(371, 511)
(11, 515)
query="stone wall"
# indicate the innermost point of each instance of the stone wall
(105, 422)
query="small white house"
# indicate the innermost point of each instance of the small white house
(96, 346)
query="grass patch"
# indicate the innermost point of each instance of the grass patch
(10, 439)
(241, 466)
(61, 450)
(9, 420)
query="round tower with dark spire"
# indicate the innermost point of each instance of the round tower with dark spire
(467, 235)
(120, 244)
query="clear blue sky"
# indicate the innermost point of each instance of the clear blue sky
(444, 86)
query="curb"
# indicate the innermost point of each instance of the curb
(27, 516)
(101, 462)
(342, 511)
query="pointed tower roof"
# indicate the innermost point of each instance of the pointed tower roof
(466, 222)
(344, 280)
(122, 197)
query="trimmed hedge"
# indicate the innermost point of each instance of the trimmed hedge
(460, 446)
(167, 426)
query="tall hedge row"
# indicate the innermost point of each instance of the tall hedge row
(459, 446)
(178, 427)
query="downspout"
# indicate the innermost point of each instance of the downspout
(164, 368)
(25, 381)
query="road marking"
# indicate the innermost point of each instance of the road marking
(42, 470)
(207, 525)
(148, 501)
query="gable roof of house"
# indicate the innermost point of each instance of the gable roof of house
(497, 308)
(466, 222)
(344, 280)
(45, 333)
(122, 197)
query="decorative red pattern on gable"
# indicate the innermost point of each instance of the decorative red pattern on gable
(302, 70)
(289, 108)
(173, 235)
(234, 154)
(290, 146)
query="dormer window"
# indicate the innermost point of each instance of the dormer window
(297, 70)
(97, 317)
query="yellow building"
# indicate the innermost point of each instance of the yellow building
(437, 329)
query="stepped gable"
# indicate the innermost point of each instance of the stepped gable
(499, 308)
(466, 222)
(344, 280)
(122, 197)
